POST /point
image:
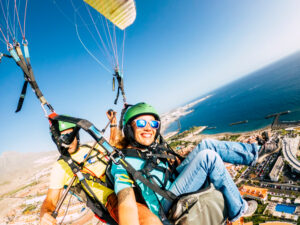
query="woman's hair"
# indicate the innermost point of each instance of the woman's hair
(120, 141)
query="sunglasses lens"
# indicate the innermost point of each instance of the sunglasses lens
(141, 123)
(154, 124)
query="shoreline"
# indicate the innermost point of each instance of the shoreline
(170, 117)
(243, 132)
(250, 132)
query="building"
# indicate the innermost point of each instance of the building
(256, 193)
(276, 170)
(289, 149)
(231, 169)
(276, 223)
(240, 221)
(297, 200)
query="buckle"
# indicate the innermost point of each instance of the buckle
(115, 154)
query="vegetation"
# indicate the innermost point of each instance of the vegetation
(243, 169)
(258, 217)
(177, 141)
(234, 137)
(183, 134)
(29, 209)
(4, 183)
(283, 132)
(19, 189)
(175, 144)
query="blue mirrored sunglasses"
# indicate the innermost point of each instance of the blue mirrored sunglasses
(142, 123)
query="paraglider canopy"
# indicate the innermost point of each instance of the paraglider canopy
(121, 13)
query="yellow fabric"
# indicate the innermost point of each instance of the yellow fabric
(121, 13)
(62, 174)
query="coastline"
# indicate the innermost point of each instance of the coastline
(168, 118)
(268, 127)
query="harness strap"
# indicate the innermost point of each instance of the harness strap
(103, 213)
(97, 154)
(4, 55)
(22, 95)
(152, 162)
(145, 154)
(137, 175)
(25, 65)
(88, 176)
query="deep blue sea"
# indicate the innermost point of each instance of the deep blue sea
(275, 88)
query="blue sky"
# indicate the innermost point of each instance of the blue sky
(175, 51)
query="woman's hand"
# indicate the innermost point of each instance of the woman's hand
(111, 115)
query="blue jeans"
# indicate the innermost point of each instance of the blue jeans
(206, 161)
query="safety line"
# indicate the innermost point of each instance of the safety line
(95, 25)
(15, 30)
(19, 20)
(123, 49)
(25, 17)
(63, 13)
(8, 23)
(111, 39)
(66, 211)
(106, 37)
(77, 31)
(116, 45)
(7, 42)
(6, 19)
(94, 57)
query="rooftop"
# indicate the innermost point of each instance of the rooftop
(276, 223)
(254, 191)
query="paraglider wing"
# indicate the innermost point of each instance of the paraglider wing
(121, 13)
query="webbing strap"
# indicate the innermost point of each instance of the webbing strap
(152, 162)
(25, 65)
(76, 171)
(103, 212)
(136, 175)
(22, 96)
(94, 179)
(145, 154)
(4, 55)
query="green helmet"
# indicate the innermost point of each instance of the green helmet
(138, 109)
(65, 125)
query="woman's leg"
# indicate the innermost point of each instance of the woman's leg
(231, 152)
(208, 164)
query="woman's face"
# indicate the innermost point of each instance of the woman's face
(145, 135)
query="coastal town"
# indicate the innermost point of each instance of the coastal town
(271, 187)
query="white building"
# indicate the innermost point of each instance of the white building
(277, 168)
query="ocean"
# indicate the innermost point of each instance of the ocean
(272, 89)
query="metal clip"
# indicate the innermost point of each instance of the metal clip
(24, 42)
(49, 107)
(118, 153)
